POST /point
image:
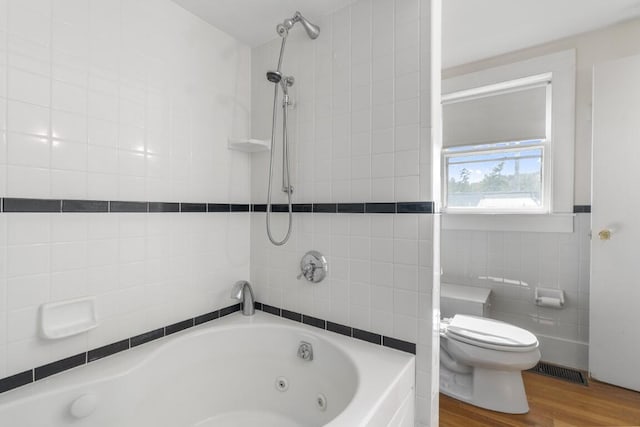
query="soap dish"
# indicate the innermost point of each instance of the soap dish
(249, 145)
(66, 318)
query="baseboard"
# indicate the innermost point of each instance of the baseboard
(559, 351)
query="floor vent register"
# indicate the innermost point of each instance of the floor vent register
(560, 372)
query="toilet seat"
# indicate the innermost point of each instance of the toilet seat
(489, 334)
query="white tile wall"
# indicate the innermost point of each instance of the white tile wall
(356, 124)
(145, 270)
(358, 133)
(513, 264)
(380, 274)
(102, 99)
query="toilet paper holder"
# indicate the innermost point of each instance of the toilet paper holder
(546, 297)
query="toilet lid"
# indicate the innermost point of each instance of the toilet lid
(490, 333)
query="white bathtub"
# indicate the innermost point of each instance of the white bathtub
(225, 373)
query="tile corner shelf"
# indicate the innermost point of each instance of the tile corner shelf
(249, 145)
(67, 318)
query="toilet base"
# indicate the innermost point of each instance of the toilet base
(501, 391)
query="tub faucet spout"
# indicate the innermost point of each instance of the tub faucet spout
(242, 292)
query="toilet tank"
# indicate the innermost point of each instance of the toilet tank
(459, 299)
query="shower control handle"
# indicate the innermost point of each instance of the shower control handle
(307, 272)
(313, 267)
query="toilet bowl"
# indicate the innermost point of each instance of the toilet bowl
(481, 362)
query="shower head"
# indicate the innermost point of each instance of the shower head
(313, 31)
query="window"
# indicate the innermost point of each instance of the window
(512, 113)
(495, 177)
(494, 147)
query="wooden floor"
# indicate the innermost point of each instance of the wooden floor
(553, 403)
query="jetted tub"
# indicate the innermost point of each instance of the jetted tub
(233, 372)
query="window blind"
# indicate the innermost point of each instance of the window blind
(501, 117)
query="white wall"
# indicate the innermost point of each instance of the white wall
(513, 264)
(360, 132)
(563, 334)
(117, 100)
(591, 48)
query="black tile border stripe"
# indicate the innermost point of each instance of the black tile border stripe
(582, 209)
(280, 208)
(228, 310)
(193, 207)
(414, 207)
(134, 207)
(107, 350)
(314, 321)
(350, 207)
(339, 329)
(146, 337)
(380, 208)
(207, 317)
(10, 204)
(291, 315)
(15, 381)
(367, 336)
(85, 206)
(218, 207)
(271, 309)
(24, 205)
(325, 207)
(180, 326)
(235, 207)
(58, 366)
(44, 371)
(405, 346)
(163, 207)
(394, 343)
(303, 207)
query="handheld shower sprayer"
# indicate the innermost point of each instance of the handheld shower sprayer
(280, 80)
(274, 76)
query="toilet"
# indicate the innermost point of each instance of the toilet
(481, 359)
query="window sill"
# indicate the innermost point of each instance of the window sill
(537, 223)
